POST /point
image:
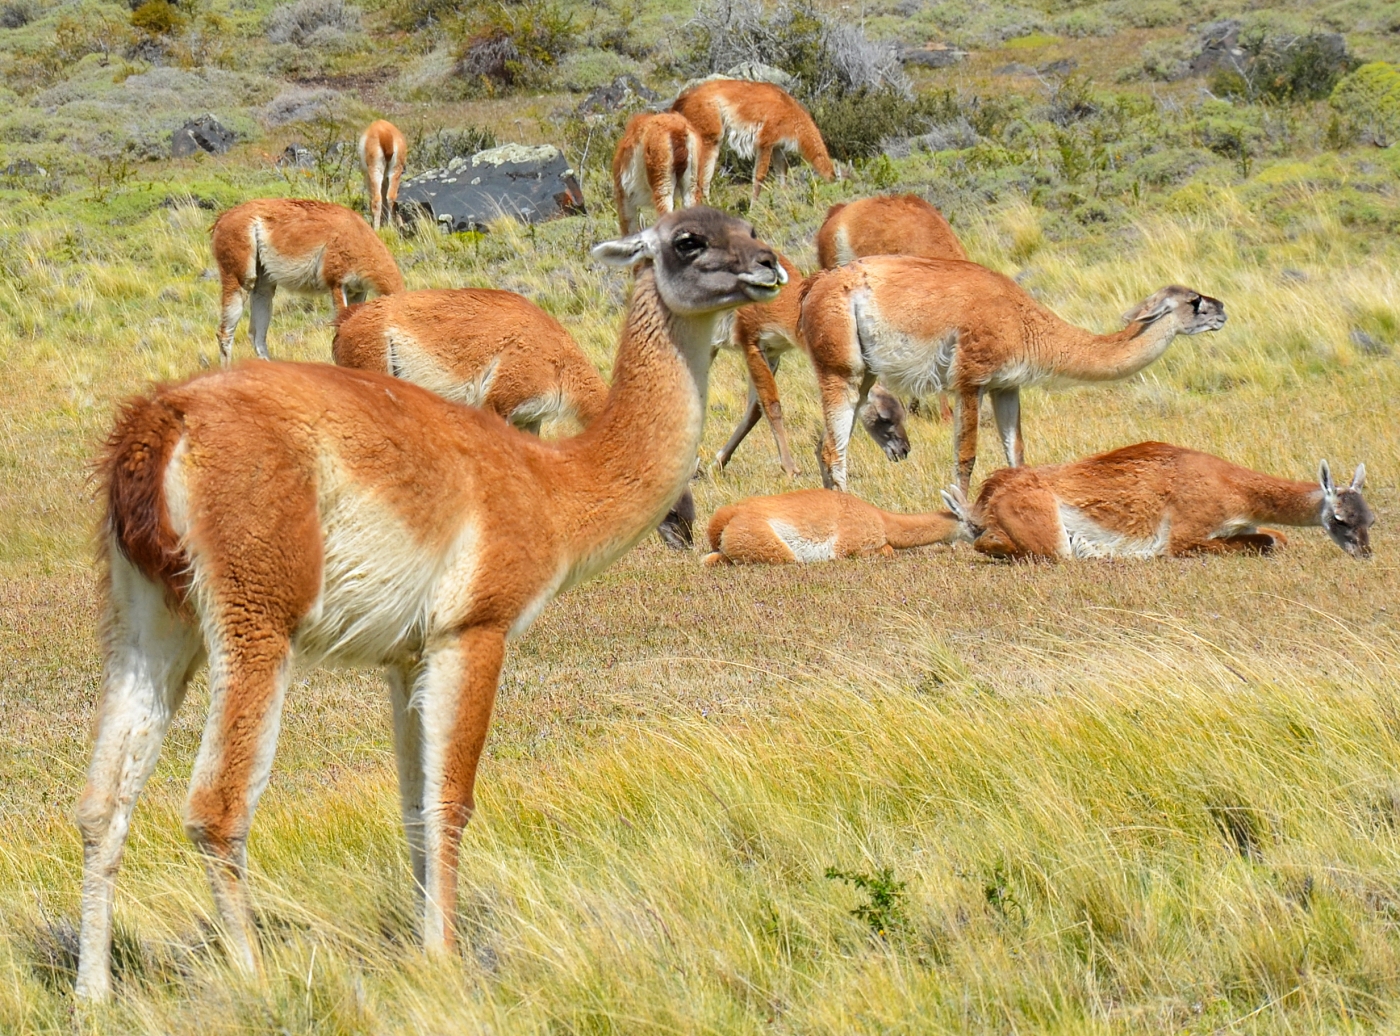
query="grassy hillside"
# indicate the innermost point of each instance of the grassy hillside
(926, 793)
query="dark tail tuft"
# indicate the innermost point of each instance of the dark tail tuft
(131, 470)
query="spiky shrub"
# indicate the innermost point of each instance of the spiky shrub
(514, 46)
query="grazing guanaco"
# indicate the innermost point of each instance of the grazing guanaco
(345, 517)
(925, 325)
(757, 119)
(821, 525)
(383, 152)
(1154, 499)
(763, 334)
(655, 163)
(486, 348)
(888, 224)
(300, 245)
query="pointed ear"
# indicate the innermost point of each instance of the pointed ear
(1324, 476)
(956, 502)
(628, 251)
(1150, 309)
(1359, 478)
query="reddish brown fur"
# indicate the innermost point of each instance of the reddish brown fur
(897, 224)
(743, 533)
(669, 149)
(739, 108)
(383, 152)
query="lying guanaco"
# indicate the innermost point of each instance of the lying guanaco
(1153, 499)
(821, 525)
(756, 119)
(383, 152)
(925, 325)
(655, 163)
(300, 245)
(282, 510)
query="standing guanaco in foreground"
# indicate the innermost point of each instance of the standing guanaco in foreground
(821, 525)
(1154, 499)
(383, 152)
(300, 245)
(345, 517)
(655, 163)
(925, 325)
(763, 334)
(490, 349)
(757, 119)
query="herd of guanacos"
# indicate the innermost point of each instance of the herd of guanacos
(273, 513)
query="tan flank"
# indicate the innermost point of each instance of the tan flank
(763, 334)
(343, 517)
(486, 348)
(820, 525)
(655, 164)
(383, 152)
(887, 224)
(1152, 500)
(297, 244)
(756, 119)
(928, 325)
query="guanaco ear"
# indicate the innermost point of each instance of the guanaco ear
(1359, 477)
(956, 501)
(630, 250)
(1153, 308)
(1324, 476)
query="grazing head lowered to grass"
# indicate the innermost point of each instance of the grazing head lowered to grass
(279, 510)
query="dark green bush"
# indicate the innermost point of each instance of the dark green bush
(157, 18)
(856, 125)
(514, 46)
(1300, 68)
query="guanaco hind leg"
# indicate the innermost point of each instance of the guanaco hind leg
(229, 314)
(260, 312)
(1006, 408)
(150, 654)
(408, 750)
(965, 435)
(840, 400)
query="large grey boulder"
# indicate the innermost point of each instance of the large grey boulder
(932, 55)
(202, 134)
(626, 91)
(531, 184)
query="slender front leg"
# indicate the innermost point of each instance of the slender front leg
(374, 181)
(260, 312)
(391, 192)
(1006, 408)
(839, 399)
(458, 690)
(965, 435)
(752, 413)
(709, 155)
(232, 309)
(408, 751)
(760, 169)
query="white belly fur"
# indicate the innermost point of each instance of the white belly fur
(907, 364)
(1082, 537)
(804, 551)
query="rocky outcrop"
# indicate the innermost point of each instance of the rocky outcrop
(202, 134)
(529, 183)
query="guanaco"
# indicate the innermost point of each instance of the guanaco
(349, 518)
(655, 163)
(763, 334)
(1154, 499)
(383, 152)
(821, 525)
(757, 119)
(300, 245)
(491, 349)
(924, 325)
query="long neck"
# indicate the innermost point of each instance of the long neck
(1281, 501)
(919, 530)
(1081, 355)
(618, 478)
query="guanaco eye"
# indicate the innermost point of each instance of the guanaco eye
(688, 246)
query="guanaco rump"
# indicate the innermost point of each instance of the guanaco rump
(345, 517)
(821, 525)
(486, 348)
(757, 119)
(925, 325)
(763, 334)
(655, 164)
(1154, 499)
(383, 152)
(300, 245)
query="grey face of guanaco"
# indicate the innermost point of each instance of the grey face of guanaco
(1345, 514)
(1193, 311)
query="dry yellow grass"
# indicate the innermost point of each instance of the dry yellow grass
(1122, 797)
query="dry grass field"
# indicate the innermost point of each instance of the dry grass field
(921, 794)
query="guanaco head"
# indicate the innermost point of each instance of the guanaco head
(1189, 310)
(1345, 514)
(705, 261)
(883, 417)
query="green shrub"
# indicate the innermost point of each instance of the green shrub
(1368, 103)
(509, 47)
(856, 125)
(1300, 68)
(157, 18)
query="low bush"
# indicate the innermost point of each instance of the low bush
(313, 23)
(157, 18)
(17, 14)
(515, 46)
(860, 124)
(1277, 68)
(1367, 102)
(432, 151)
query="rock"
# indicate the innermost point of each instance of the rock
(24, 169)
(753, 71)
(1059, 69)
(1220, 46)
(626, 91)
(1014, 69)
(532, 184)
(201, 134)
(1367, 344)
(296, 156)
(931, 55)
